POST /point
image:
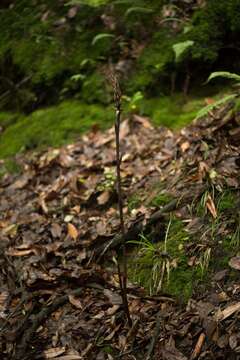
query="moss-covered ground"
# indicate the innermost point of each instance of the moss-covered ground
(62, 123)
(52, 126)
(190, 259)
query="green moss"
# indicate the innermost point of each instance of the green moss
(183, 281)
(94, 89)
(7, 119)
(134, 201)
(161, 199)
(145, 266)
(53, 126)
(9, 166)
(153, 62)
(173, 112)
(226, 201)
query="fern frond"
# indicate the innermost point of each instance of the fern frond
(224, 74)
(204, 111)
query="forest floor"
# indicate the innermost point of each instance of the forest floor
(59, 230)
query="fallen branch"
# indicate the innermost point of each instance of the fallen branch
(141, 227)
(136, 229)
(38, 320)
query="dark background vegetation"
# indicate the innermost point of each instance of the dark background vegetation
(54, 56)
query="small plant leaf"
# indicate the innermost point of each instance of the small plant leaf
(93, 3)
(101, 36)
(138, 9)
(180, 48)
(224, 74)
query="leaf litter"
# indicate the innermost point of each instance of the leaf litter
(59, 291)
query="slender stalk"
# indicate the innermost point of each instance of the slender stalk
(123, 275)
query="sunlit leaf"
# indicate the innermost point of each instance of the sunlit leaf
(224, 74)
(180, 48)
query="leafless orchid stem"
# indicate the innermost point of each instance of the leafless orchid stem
(123, 274)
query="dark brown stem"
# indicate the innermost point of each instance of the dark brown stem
(122, 275)
(123, 278)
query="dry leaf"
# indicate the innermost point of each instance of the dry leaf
(56, 230)
(234, 263)
(185, 146)
(53, 352)
(230, 310)
(211, 206)
(72, 231)
(75, 302)
(103, 198)
(111, 335)
(15, 252)
(114, 298)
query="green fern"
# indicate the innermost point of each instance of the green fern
(224, 74)
(204, 111)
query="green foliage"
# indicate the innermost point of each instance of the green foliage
(101, 36)
(109, 180)
(146, 267)
(181, 48)
(138, 10)
(205, 110)
(226, 201)
(7, 119)
(94, 89)
(173, 111)
(225, 75)
(134, 201)
(161, 199)
(9, 166)
(53, 126)
(93, 3)
(133, 103)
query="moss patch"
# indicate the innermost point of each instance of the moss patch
(161, 199)
(53, 126)
(173, 112)
(146, 265)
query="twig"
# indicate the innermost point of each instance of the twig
(123, 277)
(140, 226)
(137, 228)
(198, 347)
